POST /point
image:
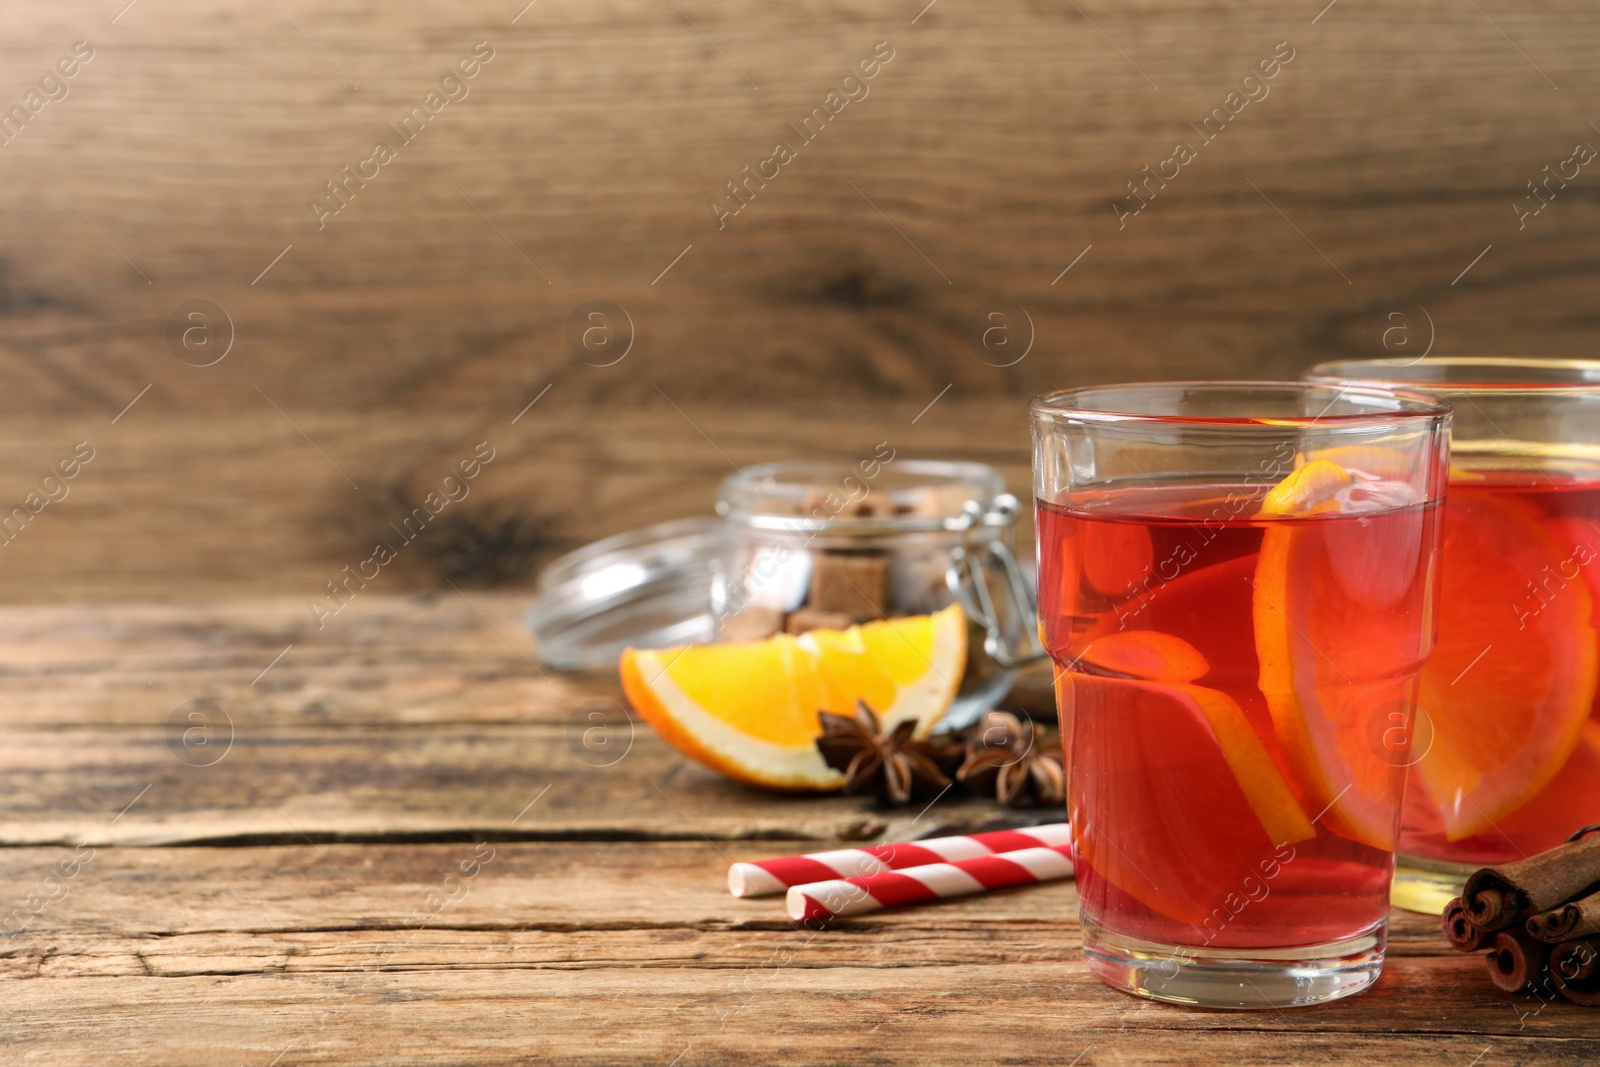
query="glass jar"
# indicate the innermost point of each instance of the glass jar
(801, 545)
(646, 588)
(819, 544)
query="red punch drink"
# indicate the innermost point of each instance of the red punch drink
(1513, 763)
(1212, 715)
(1507, 749)
(1239, 663)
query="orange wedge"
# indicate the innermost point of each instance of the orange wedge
(749, 709)
(1543, 822)
(1310, 490)
(1160, 745)
(1165, 749)
(1575, 788)
(1322, 676)
(1149, 654)
(1269, 795)
(1116, 556)
(1512, 678)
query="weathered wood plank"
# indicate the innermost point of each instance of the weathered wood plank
(384, 661)
(340, 931)
(961, 939)
(361, 783)
(996, 140)
(180, 507)
(408, 330)
(341, 896)
(322, 743)
(301, 946)
(1013, 1013)
(318, 745)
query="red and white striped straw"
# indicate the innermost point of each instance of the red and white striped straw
(920, 885)
(774, 876)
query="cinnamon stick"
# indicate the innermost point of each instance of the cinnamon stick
(1575, 967)
(1516, 961)
(1580, 918)
(1504, 896)
(1577, 959)
(1460, 931)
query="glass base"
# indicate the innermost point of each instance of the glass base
(1426, 886)
(1234, 978)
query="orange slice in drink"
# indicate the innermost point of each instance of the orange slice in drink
(1512, 678)
(1576, 788)
(1194, 800)
(1259, 778)
(749, 709)
(1116, 556)
(1543, 822)
(1310, 490)
(1330, 656)
(1148, 654)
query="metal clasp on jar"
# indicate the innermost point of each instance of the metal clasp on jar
(1011, 631)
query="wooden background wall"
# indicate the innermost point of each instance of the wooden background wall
(376, 352)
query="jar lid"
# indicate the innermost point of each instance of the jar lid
(647, 588)
(873, 497)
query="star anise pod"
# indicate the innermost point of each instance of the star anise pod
(1007, 755)
(892, 765)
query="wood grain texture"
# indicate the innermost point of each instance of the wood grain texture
(274, 907)
(986, 158)
(341, 895)
(181, 508)
(1015, 1013)
(311, 949)
(382, 867)
(995, 142)
(409, 719)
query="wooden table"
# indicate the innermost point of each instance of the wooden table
(396, 845)
(298, 895)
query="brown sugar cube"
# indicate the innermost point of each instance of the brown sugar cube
(850, 583)
(751, 624)
(807, 619)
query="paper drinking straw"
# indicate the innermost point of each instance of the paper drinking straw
(920, 885)
(774, 876)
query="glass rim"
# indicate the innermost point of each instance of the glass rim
(1412, 404)
(1344, 371)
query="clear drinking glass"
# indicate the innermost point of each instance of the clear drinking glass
(1507, 753)
(1235, 582)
